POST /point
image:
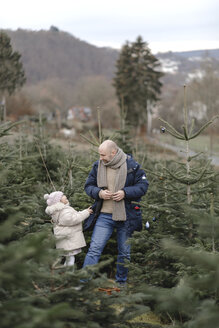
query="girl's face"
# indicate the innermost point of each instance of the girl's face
(64, 199)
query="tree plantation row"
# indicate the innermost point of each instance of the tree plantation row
(174, 259)
(173, 271)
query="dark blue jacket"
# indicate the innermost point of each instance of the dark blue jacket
(135, 187)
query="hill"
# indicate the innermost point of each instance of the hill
(63, 71)
(180, 67)
(56, 54)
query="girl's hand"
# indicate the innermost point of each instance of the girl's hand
(90, 210)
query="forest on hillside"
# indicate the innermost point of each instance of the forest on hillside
(55, 54)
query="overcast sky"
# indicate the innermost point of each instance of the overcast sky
(165, 24)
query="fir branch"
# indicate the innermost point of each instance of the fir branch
(171, 319)
(194, 156)
(94, 138)
(156, 207)
(209, 177)
(7, 156)
(83, 169)
(38, 288)
(30, 157)
(185, 112)
(99, 125)
(187, 180)
(4, 131)
(160, 176)
(172, 128)
(174, 135)
(185, 132)
(192, 127)
(204, 127)
(90, 141)
(201, 190)
(54, 266)
(54, 289)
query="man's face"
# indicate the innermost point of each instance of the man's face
(106, 155)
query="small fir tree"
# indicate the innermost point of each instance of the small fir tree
(179, 199)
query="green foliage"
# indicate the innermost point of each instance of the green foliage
(137, 80)
(179, 276)
(175, 260)
(35, 289)
(174, 265)
(11, 69)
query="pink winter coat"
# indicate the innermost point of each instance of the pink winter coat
(67, 226)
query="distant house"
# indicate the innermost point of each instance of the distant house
(79, 113)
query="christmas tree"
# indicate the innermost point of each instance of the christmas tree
(181, 207)
(36, 290)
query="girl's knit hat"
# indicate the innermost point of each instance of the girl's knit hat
(53, 198)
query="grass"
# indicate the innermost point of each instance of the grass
(199, 144)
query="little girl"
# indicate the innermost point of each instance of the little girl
(67, 224)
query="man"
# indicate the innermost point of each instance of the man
(117, 180)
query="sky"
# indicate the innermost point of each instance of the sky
(166, 25)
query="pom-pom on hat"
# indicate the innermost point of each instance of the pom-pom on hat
(53, 198)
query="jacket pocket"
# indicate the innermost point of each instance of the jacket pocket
(134, 217)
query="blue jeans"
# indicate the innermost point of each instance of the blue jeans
(102, 231)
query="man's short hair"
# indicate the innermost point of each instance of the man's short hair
(109, 144)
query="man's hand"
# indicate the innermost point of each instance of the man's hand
(105, 194)
(119, 195)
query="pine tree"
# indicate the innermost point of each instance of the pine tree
(11, 70)
(137, 80)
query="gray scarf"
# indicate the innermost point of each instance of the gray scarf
(117, 163)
